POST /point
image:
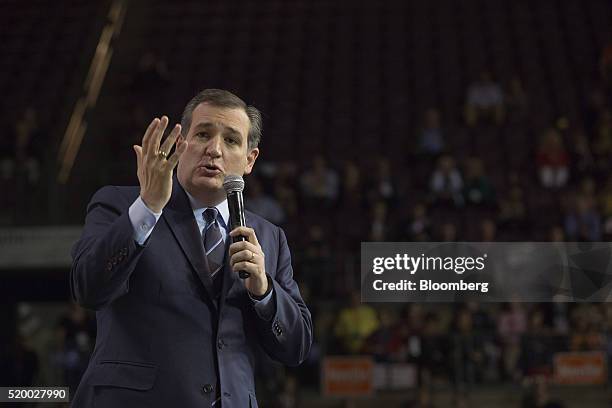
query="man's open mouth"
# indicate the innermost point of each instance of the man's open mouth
(210, 169)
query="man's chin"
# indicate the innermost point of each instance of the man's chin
(212, 184)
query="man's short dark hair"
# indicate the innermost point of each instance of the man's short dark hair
(224, 99)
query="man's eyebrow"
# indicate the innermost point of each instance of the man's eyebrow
(228, 129)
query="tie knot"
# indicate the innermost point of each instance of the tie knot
(210, 215)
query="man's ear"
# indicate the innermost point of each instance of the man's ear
(251, 157)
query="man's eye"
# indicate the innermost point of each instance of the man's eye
(230, 140)
(202, 134)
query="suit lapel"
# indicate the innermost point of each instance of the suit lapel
(179, 217)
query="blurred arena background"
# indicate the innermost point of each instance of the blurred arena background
(475, 120)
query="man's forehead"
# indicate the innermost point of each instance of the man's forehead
(206, 115)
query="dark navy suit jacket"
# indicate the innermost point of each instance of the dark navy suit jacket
(162, 341)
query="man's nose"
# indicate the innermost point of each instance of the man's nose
(214, 146)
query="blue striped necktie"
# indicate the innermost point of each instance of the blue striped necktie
(213, 241)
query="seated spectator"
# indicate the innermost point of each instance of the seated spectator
(152, 74)
(446, 182)
(352, 188)
(262, 204)
(354, 324)
(28, 146)
(488, 230)
(284, 188)
(605, 63)
(379, 225)
(537, 395)
(512, 210)
(485, 100)
(583, 221)
(605, 202)
(316, 259)
(556, 234)
(448, 232)
(377, 344)
(582, 153)
(320, 184)
(517, 101)
(382, 186)
(424, 399)
(431, 135)
(478, 189)
(552, 160)
(468, 354)
(602, 145)
(418, 226)
(511, 324)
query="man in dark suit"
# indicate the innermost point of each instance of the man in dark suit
(176, 324)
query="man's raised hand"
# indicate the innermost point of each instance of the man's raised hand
(155, 166)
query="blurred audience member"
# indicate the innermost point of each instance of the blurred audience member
(382, 186)
(605, 203)
(431, 135)
(517, 101)
(288, 397)
(605, 62)
(151, 75)
(355, 324)
(352, 188)
(320, 184)
(552, 160)
(467, 352)
(478, 189)
(511, 325)
(556, 234)
(262, 204)
(583, 221)
(418, 226)
(488, 230)
(602, 145)
(446, 183)
(513, 211)
(537, 395)
(485, 100)
(448, 232)
(582, 153)
(379, 223)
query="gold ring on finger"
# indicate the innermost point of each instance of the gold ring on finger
(252, 255)
(162, 154)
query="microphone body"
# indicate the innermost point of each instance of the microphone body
(233, 186)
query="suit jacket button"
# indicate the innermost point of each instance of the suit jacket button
(220, 344)
(207, 388)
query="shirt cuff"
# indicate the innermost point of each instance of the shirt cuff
(143, 220)
(265, 307)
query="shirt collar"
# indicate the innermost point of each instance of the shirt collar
(198, 209)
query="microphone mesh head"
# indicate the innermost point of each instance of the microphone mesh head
(233, 183)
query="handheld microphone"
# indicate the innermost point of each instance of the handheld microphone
(233, 186)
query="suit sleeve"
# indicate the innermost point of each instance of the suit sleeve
(106, 254)
(287, 337)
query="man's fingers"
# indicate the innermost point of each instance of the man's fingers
(246, 256)
(138, 151)
(246, 266)
(243, 245)
(156, 136)
(146, 139)
(174, 159)
(167, 145)
(248, 233)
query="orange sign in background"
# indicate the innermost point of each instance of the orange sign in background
(580, 368)
(348, 376)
